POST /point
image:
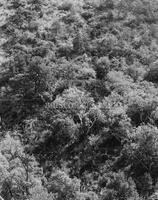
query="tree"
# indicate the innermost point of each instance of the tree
(119, 187)
(19, 171)
(142, 154)
(40, 193)
(26, 69)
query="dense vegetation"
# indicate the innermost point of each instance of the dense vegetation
(79, 99)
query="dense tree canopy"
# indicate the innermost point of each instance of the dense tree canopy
(78, 99)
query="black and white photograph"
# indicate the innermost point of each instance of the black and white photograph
(78, 99)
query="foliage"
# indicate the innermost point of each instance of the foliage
(118, 187)
(78, 99)
(20, 172)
